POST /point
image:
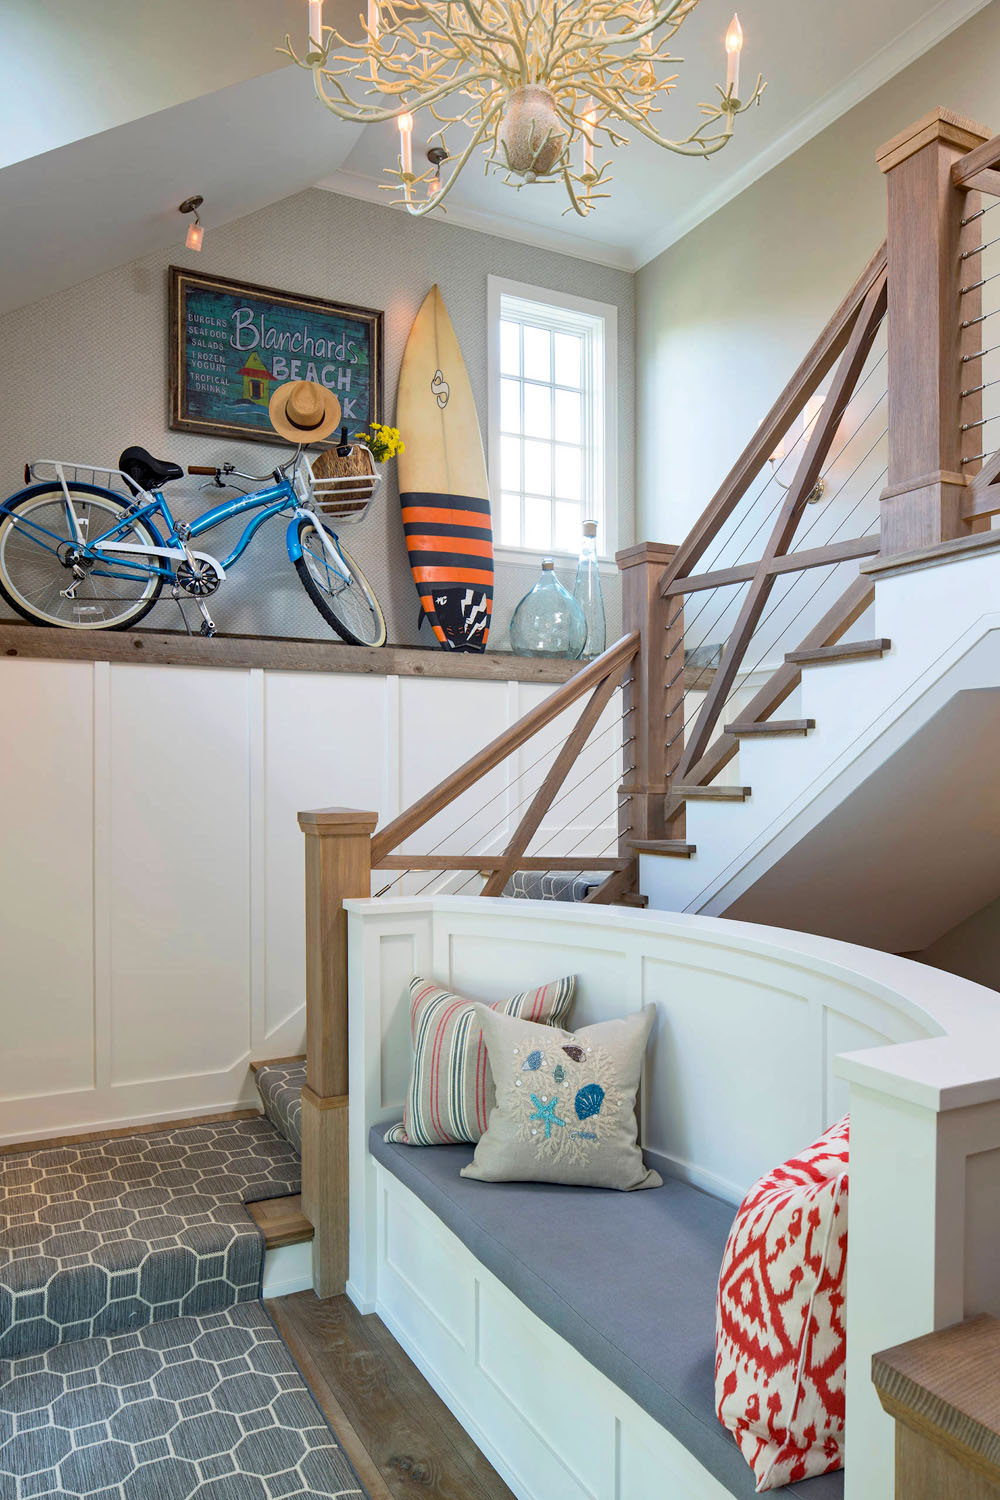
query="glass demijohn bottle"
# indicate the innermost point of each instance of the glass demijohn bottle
(587, 593)
(548, 621)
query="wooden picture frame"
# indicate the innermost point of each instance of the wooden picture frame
(232, 343)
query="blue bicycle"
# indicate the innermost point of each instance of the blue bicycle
(97, 555)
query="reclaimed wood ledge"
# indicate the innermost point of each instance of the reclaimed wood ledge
(49, 643)
(171, 649)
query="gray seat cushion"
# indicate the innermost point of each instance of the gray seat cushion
(629, 1279)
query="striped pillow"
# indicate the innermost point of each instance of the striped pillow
(451, 1088)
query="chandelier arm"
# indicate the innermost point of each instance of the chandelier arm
(418, 210)
(694, 144)
(370, 114)
(680, 9)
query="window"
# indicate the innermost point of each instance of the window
(552, 409)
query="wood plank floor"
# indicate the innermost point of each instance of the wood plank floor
(401, 1438)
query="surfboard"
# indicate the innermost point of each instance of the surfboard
(443, 486)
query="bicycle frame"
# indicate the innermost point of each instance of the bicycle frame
(272, 500)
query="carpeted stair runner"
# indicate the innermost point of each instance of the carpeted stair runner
(106, 1236)
(136, 1361)
(209, 1408)
(280, 1088)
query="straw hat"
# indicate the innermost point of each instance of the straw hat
(303, 411)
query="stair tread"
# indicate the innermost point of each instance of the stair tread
(676, 847)
(843, 651)
(276, 1062)
(772, 726)
(281, 1221)
(711, 793)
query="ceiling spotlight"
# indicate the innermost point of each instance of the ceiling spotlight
(195, 234)
(436, 155)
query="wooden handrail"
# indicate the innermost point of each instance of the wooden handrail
(789, 562)
(556, 775)
(498, 861)
(974, 172)
(827, 632)
(804, 383)
(615, 659)
(852, 362)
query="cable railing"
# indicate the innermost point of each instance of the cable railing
(562, 812)
(581, 823)
(777, 557)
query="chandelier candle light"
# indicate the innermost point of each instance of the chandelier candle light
(539, 86)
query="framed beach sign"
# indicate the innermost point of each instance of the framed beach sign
(232, 344)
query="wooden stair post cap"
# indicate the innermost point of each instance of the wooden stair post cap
(646, 552)
(337, 820)
(937, 125)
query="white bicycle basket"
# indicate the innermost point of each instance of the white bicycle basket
(343, 487)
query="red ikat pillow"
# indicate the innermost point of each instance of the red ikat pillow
(780, 1347)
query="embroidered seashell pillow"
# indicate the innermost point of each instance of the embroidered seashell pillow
(565, 1103)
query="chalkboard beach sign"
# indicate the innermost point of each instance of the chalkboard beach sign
(232, 344)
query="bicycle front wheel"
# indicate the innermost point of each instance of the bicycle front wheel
(48, 574)
(338, 588)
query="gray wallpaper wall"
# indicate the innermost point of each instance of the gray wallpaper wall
(91, 367)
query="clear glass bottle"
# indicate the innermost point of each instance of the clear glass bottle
(548, 621)
(587, 593)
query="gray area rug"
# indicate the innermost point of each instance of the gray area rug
(107, 1236)
(209, 1408)
(280, 1088)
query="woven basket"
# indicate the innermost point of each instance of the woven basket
(344, 487)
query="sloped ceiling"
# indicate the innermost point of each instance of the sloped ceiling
(111, 112)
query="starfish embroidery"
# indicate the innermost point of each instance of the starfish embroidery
(546, 1113)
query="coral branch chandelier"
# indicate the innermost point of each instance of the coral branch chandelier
(539, 86)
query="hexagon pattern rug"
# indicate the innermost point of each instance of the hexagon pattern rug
(209, 1408)
(105, 1236)
(280, 1088)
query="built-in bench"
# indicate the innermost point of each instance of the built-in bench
(572, 1330)
(648, 1327)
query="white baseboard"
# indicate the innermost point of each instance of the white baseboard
(126, 1122)
(288, 1269)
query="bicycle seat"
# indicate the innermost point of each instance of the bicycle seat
(148, 472)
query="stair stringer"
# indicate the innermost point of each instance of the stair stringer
(943, 642)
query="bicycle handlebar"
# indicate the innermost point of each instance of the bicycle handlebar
(201, 469)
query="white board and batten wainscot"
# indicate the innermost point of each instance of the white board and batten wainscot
(763, 1037)
(152, 867)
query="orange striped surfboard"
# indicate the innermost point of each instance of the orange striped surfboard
(443, 485)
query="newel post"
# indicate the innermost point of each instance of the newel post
(922, 503)
(654, 690)
(338, 866)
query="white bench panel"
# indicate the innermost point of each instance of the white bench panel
(552, 1425)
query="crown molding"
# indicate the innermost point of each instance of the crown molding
(898, 54)
(522, 232)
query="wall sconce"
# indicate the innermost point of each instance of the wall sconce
(436, 156)
(810, 412)
(195, 234)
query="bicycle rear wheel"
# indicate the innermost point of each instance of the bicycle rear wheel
(339, 589)
(39, 547)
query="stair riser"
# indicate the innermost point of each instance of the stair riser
(933, 618)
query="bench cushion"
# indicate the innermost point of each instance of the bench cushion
(562, 1252)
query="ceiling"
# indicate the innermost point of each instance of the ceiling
(833, 56)
(136, 116)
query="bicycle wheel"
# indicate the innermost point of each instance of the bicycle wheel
(38, 551)
(344, 596)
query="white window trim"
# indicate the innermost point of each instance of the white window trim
(498, 287)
